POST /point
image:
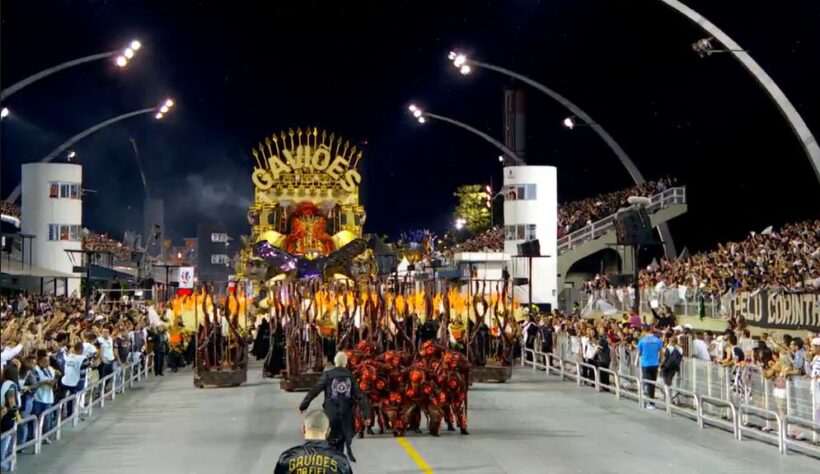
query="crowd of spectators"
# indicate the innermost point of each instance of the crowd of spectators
(9, 209)
(104, 243)
(571, 216)
(491, 240)
(51, 349)
(788, 258)
(577, 214)
(607, 342)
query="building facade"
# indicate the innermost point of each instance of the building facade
(213, 253)
(531, 213)
(53, 211)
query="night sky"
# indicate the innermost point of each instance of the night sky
(242, 70)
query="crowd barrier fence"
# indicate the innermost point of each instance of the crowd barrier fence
(83, 405)
(736, 399)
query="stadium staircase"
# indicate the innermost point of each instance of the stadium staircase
(600, 235)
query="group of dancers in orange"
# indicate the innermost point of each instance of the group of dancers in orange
(401, 386)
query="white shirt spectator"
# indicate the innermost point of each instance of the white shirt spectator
(815, 367)
(90, 353)
(9, 353)
(589, 348)
(700, 350)
(107, 347)
(73, 364)
(44, 394)
(7, 385)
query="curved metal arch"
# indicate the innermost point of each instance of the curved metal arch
(65, 145)
(798, 125)
(663, 229)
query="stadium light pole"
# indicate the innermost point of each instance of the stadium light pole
(422, 116)
(159, 112)
(703, 47)
(465, 66)
(121, 59)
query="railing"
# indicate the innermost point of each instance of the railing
(736, 400)
(622, 300)
(601, 227)
(83, 403)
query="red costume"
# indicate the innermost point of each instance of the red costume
(400, 388)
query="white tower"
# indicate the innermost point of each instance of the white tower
(53, 212)
(530, 213)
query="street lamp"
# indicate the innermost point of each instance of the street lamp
(127, 53)
(4, 113)
(422, 116)
(460, 223)
(704, 47)
(460, 60)
(164, 109)
(15, 194)
(121, 58)
(572, 122)
(71, 154)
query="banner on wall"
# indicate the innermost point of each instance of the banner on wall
(186, 278)
(778, 310)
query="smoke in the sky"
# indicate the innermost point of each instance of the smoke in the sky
(215, 196)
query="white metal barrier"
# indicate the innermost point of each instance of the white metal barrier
(83, 404)
(726, 403)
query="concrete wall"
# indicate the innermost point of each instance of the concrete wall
(543, 213)
(40, 210)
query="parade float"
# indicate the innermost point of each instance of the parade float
(322, 285)
(220, 335)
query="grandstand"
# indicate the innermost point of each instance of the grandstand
(572, 216)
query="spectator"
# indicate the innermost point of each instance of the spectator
(72, 381)
(10, 396)
(107, 352)
(815, 361)
(672, 358)
(649, 349)
(45, 379)
(10, 350)
(799, 354)
(27, 386)
(589, 349)
(733, 354)
(603, 360)
(701, 349)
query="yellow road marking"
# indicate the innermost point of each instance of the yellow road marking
(420, 462)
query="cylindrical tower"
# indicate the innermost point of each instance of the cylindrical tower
(530, 213)
(53, 211)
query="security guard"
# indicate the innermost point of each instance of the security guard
(341, 393)
(315, 456)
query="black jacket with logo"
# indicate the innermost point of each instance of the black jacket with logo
(315, 457)
(341, 392)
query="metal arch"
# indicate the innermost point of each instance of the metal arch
(7, 92)
(798, 125)
(54, 153)
(663, 228)
(517, 159)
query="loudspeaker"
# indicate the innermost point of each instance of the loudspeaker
(531, 248)
(633, 226)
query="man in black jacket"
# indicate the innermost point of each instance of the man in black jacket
(341, 391)
(315, 455)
